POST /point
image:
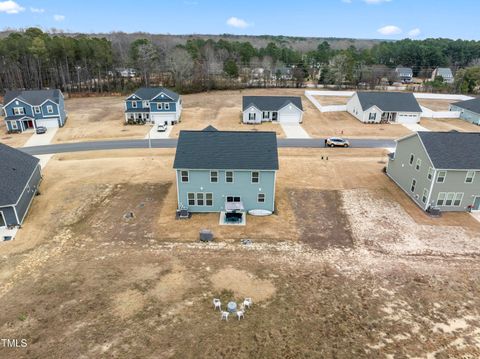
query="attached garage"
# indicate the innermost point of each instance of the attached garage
(48, 123)
(163, 118)
(282, 109)
(408, 118)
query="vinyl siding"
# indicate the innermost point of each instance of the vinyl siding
(467, 115)
(28, 194)
(455, 182)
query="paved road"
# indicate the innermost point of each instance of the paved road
(172, 143)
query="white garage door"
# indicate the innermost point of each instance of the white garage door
(407, 118)
(48, 123)
(289, 118)
(161, 118)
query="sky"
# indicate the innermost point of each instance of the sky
(367, 19)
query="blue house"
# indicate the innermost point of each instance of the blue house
(19, 181)
(153, 104)
(469, 110)
(226, 171)
(30, 109)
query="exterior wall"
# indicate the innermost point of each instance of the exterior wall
(467, 115)
(290, 110)
(355, 108)
(455, 182)
(174, 106)
(9, 215)
(402, 173)
(28, 194)
(252, 109)
(372, 110)
(199, 181)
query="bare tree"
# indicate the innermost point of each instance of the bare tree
(181, 66)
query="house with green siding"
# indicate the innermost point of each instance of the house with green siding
(469, 110)
(226, 171)
(438, 169)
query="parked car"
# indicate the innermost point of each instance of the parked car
(161, 128)
(40, 130)
(336, 142)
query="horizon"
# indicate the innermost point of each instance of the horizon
(380, 20)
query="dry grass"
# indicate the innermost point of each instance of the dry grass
(436, 105)
(332, 100)
(13, 140)
(449, 124)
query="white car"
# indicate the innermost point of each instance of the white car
(336, 142)
(161, 128)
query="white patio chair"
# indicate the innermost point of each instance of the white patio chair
(217, 304)
(225, 316)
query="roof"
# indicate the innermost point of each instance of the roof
(133, 110)
(471, 105)
(232, 150)
(33, 97)
(389, 101)
(271, 103)
(444, 72)
(17, 117)
(406, 71)
(149, 93)
(16, 168)
(452, 150)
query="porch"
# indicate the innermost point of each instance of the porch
(388, 117)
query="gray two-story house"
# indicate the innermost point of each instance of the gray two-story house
(19, 181)
(35, 108)
(223, 171)
(158, 105)
(439, 169)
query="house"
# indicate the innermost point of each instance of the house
(153, 104)
(20, 178)
(469, 110)
(445, 73)
(384, 107)
(30, 109)
(126, 72)
(438, 169)
(284, 109)
(404, 74)
(226, 171)
(282, 73)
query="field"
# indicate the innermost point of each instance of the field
(436, 105)
(14, 140)
(347, 267)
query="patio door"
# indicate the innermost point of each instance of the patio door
(476, 204)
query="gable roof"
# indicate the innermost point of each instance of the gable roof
(471, 105)
(445, 72)
(16, 168)
(149, 93)
(389, 101)
(452, 150)
(271, 103)
(33, 97)
(405, 71)
(230, 150)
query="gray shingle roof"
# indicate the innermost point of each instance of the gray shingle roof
(148, 93)
(445, 72)
(234, 150)
(33, 97)
(271, 103)
(389, 101)
(453, 150)
(471, 105)
(16, 168)
(404, 71)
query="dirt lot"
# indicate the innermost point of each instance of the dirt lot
(436, 105)
(332, 100)
(449, 124)
(14, 140)
(348, 267)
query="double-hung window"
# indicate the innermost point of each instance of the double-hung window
(372, 116)
(134, 104)
(265, 115)
(255, 177)
(430, 174)
(441, 176)
(418, 164)
(261, 198)
(166, 106)
(49, 109)
(252, 116)
(200, 200)
(191, 199)
(441, 198)
(213, 176)
(160, 106)
(470, 176)
(229, 176)
(412, 157)
(458, 199)
(36, 109)
(184, 176)
(414, 183)
(209, 199)
(18, 111)
(424, 195)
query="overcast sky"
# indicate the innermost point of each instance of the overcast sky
(384, 19)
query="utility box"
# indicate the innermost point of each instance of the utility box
(206, 235)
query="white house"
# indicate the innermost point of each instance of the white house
(282, 109)
(445, 73)
(384, 107)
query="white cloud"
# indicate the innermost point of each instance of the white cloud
(376, 1)
(58, 18)
(10, 7)
(414, 32)
(37, 10)
(390, 30)
(236, 22)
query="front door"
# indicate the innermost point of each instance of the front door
(274, 116)
(476, 204)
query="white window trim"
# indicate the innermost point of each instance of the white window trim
(251, 177)
(134, 104)
(233, 177)
(37, 110)
(188, 176)
(473, 177)
(413, 185)
(14, 125)
(211, 177)
(167, 106)
(425, 195)
(159, 106)
(461, 199)
(411, 159)
(233, 196)
(49, 109)
(252, 116)
(146, 103)
(430, 173)
(194, 199)
(208, 193)
(443, 199)
(418, 164)
(264, 197)
(444, 177)
(15, 109)
(202, 199)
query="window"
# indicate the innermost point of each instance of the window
(233, 199)
(251, 116)
(470, 176)
(255, 177)
(458, 199)
(14, 125)
(147, 116)
(167, 106)
(214, 176)
(159, 106)
(184, 175)
(372, 116)
(419, 164)
(209, 199)
(36, 109)
(229, 176)
(18, 111)
(441, 198)
(200, 201)
(424, 195)
(3, 223)
(191, 199)
(441, 176)
(412, 157)
(146, 103)
(261, 198)
(414, 183)
(265, 115)
(134, 104)
(430, 174)
(449, 199)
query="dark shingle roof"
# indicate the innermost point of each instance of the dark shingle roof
(240, 150)
(271, 103)
(33, 97)
(16, 168)
(148, 93)
(453, 150)
(471, 105)
(405, 71)
(389, 101)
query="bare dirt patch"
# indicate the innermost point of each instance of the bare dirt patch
(332, 100)
(12, 139)
(436, 105)
(128, 303)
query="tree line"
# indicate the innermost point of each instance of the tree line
(33, 59)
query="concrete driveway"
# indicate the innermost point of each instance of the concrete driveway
(42, 140)
(415, 127)
(155, 135)
(294, 130)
